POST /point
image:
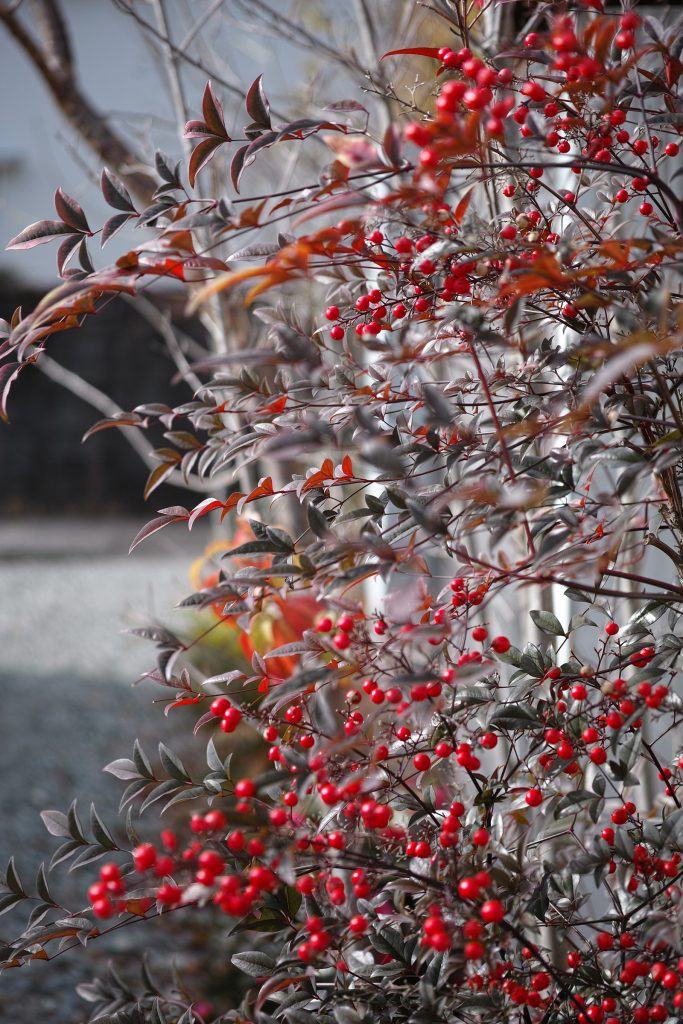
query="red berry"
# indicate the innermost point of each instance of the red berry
(624, 40)
(332, 312)
(533, 797)
(492, 911)
(110, 872)
(500, 644)
(215, 820)
(469, 889)
(219, 706)
(245, 788)
(480, 837)
(102, 908)
(144, 856)
(169, 895)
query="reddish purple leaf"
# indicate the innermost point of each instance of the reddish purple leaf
(201, 155)
(114, 225)
(237, 166)
(213, 113)
(170, 516)
(8, 374)
(37, 233)
(195, 130)
(115, 192)
(257, 105)
(71, 213)
(66, 249)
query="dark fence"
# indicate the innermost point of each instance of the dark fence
(44, 468)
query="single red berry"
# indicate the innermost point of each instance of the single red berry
(492, 911)
(624, 40)
(215, 820)
(219, 706)
(345, 622)
(144, 856)
(245, 788)
(102, 908)
(533, 797)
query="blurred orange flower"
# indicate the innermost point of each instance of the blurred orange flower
(278, 621)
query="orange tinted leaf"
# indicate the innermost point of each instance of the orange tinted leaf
(157, 477)
(277, 406)
(420, 51)
(314, 480)
(232, 501)
(205, 506)
(461, 208)
(223, 283)
(184, 700)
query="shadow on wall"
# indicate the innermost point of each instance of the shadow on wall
(44, 468)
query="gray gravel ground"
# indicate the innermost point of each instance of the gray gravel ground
(67, 590)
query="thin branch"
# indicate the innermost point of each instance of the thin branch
(177, 51)
(161, 322)
(171, 55)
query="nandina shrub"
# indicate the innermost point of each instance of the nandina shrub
(475, 374)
